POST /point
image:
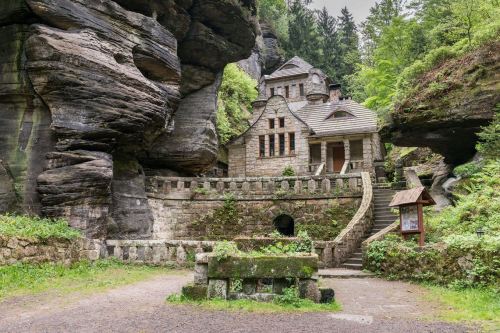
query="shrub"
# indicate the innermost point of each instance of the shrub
(288, 171)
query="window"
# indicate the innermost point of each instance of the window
(301, 88)
(282, 122)
(287, 91)
(282, 144)
(294, 90)
(262, 146)
(291, 143)
(341, 114)
(271, 123)
(272, 92)
(271, 145)
(316, 79)
(356, 147)
(278, 91)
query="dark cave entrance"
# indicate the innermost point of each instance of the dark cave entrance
(285, 225)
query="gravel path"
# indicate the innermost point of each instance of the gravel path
(369, 305)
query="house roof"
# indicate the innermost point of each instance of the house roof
(294, 66)
(320, 118)
(411, 196)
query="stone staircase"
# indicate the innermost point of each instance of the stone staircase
(382, 195)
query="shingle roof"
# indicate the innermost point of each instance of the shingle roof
(300, 66)
(321, 120)
(411, 196)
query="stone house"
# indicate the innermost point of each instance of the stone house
(301, 120)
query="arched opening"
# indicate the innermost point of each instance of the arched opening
(285, 225)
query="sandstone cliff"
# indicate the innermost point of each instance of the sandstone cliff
(449, 105)
(93, 91)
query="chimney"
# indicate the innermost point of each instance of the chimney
(335, 92)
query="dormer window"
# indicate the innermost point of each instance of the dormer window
(272, 92)
(339, 114)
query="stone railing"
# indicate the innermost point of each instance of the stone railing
(181, 188)
(380, 235)
(180, 252)
(350, 238)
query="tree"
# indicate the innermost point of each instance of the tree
(348, 48)
(327, 28)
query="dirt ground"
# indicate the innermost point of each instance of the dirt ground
(369, 305)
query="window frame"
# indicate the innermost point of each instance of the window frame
(272, 144)
(291, 142)
(281, 121)
(262, 146)
(281, 144)
(272, 124)
(301, 90)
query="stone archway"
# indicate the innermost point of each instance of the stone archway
(285, 225)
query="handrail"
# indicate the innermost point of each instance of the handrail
(319, 170)
(344, 167)
(349, 239)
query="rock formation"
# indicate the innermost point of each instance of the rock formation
(449, 105)
(93, 90)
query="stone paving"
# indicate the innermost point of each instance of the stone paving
(369, 305)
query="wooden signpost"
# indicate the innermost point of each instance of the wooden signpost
(411, 215)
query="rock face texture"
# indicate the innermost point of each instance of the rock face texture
(92, 90)
(266, 56)
(449, 106)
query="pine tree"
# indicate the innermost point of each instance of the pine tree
(327, 28)
(349, 47)
(303, 37)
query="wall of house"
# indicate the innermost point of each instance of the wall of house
(274, 165)
(292, 83)
(237, 160)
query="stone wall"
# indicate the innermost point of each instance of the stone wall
(25, 250)
(255, 165)
(197, 208)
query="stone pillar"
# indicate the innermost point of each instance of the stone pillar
(377, 149)
(347, 149)
(218, 289)
(367, 154)
(201, 268)
(323, 154)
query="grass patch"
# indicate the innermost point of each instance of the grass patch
(35, 227)
(469, 305)
(254, 306)
(83, 276)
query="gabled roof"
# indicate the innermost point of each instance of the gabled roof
(294, 66)
(319, 118)
(411, 196)
(294, 113)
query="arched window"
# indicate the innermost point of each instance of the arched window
(284, 225)
(316, 79)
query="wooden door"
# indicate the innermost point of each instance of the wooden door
(338, 158)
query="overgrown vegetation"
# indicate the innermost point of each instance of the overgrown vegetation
(303, 245)
(288, 304)
(83, 276)
(338, 215)
(237, 92)
(463, 240)
(35, 227)
(404, 39)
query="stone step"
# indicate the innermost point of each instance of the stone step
(342, 273)
(354, 261)
(352, 266)
(385, 216)
(382, 225)
(355, 256)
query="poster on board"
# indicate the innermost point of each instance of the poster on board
(409, 218)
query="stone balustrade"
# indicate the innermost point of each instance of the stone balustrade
(351, 237)
(183, 188)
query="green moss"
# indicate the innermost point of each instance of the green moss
(195, 292)
(263, 267)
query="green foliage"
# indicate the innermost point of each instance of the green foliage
(83, 276)
(216, 225)
(399, 48)
(35, 227)
(489, 144)
(338, 215)
(288, 171)
(275, 13)
(254, 306)
(237, 92)
(477, 208)
(468, 169)
(223, 250)
(468, 305)
(290, 297)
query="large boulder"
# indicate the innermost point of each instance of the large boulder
(90, 90)
(449, 105)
